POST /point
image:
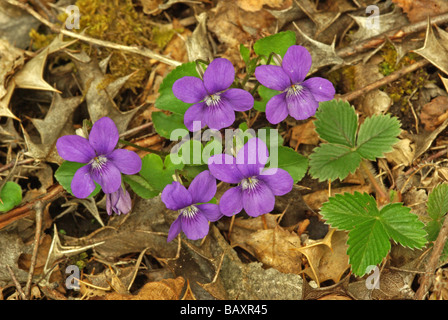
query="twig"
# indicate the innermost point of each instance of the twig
(103, 43)
(433, 261)
(38, 207)
(13, 163)
(136, 129)
(16, 283)
(26, 209)
(394, 34)
(390, 78)
(382, 196)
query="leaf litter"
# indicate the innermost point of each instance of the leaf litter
(50, 85)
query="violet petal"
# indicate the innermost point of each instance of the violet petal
(276, 109)
(82, 184)
(297, 63)
(259, 200)
(239, 99)
(219, 75)
(278, 180)
(231, 201)
(104, 136)
(203, 187)
(220, 115)
(252, 157)
(210, 211)
(195, 113)
(189, 89)
(175, 229)
(128, 162)
(107, 176)
(302, 105)
(272, 77)
(223, 167)
(175, 196)
(195, 227)
(75, 148)
(322, 89)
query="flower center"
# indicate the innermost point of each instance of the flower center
(294, 90)
(249, 183)
(212, 100)
(98, 162)
(189, 212)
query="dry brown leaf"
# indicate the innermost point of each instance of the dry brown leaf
(434, 113)
(315, 199)
(303, 134)
(167, 289)
(403, 153)
(435, 50)
(418, 10)
(10, 59)
(275, 248)
(24, 261)
(328, 257)
(257, 5)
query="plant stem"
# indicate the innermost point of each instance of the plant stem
(160, 153)
(382, 195)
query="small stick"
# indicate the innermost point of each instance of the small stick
(26, 209)
(390, 78)
(432, 262)
(397, 33)
(16, 283)
(38, 207)
(137, 50)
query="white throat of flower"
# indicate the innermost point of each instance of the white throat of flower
(212, 100)
(249, 183)
(189, 212)
(294, 90)
(98, 162)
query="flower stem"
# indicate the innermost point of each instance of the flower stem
(160, 153)
(382, 195)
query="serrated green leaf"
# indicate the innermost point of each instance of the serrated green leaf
(10, 196)
(347, 211)
(64, 175)
(370, 229)
(437, 207)
(377, 135)
(165, 124)
(368, 244)
(167, 100)
(278, 43)
(403, 226)
(333, 161)
(290, 160)
(438, 202)
(337, 122)
(140, 186)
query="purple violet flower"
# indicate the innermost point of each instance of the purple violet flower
(118, 202)
(194, 212)
(104, 164)
(257, 187)
(300, 99)
(214, 103)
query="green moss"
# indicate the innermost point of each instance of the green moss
(411, 83)
(119, 22)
